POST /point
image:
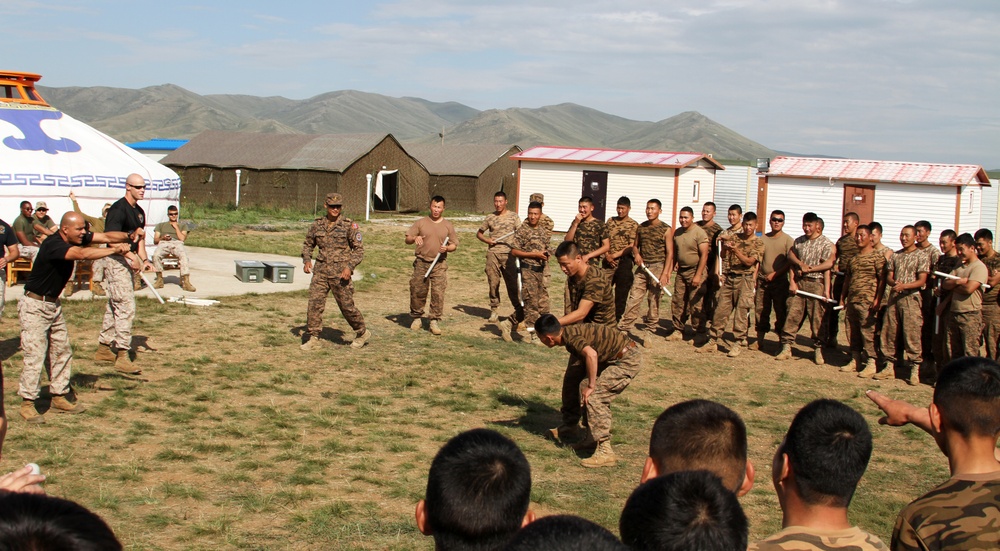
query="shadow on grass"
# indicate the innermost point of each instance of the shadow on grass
(474, 311)
(141, 342)
(330, 334)
(537, 419)
(402, 320)
(8, 347)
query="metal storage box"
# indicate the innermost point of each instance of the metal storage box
(250, 271)
(279, 272)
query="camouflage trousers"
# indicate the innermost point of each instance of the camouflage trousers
(435, 284)
(175, 248)
(771, 295)
(97, 269)
(644, 289)
(3, 289)
(502, 267)
(991, 330)
(621, 279)
(688, 301)
(28, 251)
(737, 293)
(534, 292)
(328, 281)
(963, 333)
(904, 316)
(830, 328)
(942, 348)
(43, 335)
(611, 381)
(116, 330)
(799, 307)
(861, 328)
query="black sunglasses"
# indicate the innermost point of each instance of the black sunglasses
(777, 220)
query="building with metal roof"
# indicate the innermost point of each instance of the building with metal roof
(157, 148)
(298, 170)
(565, 174)
(467, 176)
(893, 193)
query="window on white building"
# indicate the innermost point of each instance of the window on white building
(695, 190)
(972, 199)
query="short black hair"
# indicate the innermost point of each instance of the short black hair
(864, 227)
(682, 511)
(688, 210)
(822, 224)
(173, 208)
(534, 205)
(777, 211)
(710, 204)
(809, 217)
(586, 199)
(656, 201)
(547, 324)
(623, 200)
(500, 194)
(876, 226)
(967, 394)
(25, 203)
(564, 533)
(950, 234)
(983, 233)
(852, 216)
(46, 523)
(437, 199)
(750, 217)
(478, 491)
(567, 248)
(923, 224)
(965, 239)
(736, 207)
(700, 434)
(828, 446)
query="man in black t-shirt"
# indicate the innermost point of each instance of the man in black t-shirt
(9, 248)
(114, 344)
(43, 329)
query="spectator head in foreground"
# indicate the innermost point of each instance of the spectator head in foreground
(564, 533)
(701, 435)
(42, 523)
(681, 511)
(478, 492)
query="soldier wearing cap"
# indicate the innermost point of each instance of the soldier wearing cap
(549, 224)
(340, 251)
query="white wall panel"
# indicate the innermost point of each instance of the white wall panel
(796, 197)
(898, 205)
(969, 216)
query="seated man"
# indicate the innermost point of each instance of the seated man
(43, 224)
(24, 230)
(682, 511)
(478, 492)
(701, 435)
(169, 239)
(815, 472)
(964, 419)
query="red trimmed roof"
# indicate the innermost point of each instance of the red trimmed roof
(665, 159)
(878, 171)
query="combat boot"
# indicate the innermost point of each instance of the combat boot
(567, 434)
(68, 290)
(853, 366)
(735, 350)
(711, 346)
(870, 369)
(95, 287)
(435, 329)
(647, 338)
(311, 343)
(416, 324)
(914, 379)
(186, 284)
(785, 353)
(158, 282)
(505, 328)
(603, 456)
(361, 339)
(757, 344)
(676, 335)
(124, 363)
(67, 404)
(104, 353)
(30, 413)
(137, 282)
(494, 315)
(887, 373)
(818, 356)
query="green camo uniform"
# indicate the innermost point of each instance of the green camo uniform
(926, 294)
(340, 246)
(500, 264)
(942, 355)
(991, 309)
(533, 289)
(621, 236)
(811, 252)
(738, 290)
(706, 304)
(800, 538)
(864, 271)
(903, 313)
(652, 242)
(963, 513)
(590, 235)
(847, 249)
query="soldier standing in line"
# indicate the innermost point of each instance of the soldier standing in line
(741, 254)
(706, 305)
(340, 251)
(548, 223)
(812, 255)
(530, 244)
(876, 229)
(654, 249)
(948, 261)
(618, 261)
(861, 299)
(923, 232)
(847, 249)
(500, 265)
(907, 274)
(692, 249)
(589, 233)
(991, 308)
(429, 234)
(966, 300)
(772, 280)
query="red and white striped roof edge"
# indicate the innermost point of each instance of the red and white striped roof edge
(666, 159)
(878, 171)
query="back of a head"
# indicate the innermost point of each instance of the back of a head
(478, 491)
(33, 522)
(685, 510)
(564, 533)
(828, 446)
(700, 435)
(967, 394)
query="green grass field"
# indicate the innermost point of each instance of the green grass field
(239, 440)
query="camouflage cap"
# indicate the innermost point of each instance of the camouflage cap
(41, 205)
(334, 199)
(536, 197)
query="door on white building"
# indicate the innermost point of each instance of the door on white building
(859, 200)
(595, 186)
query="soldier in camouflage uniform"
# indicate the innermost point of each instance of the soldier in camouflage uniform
(548, 223)
(530, 244)
(816, 471)
(340, 251)
(962, 513)
(812, 256)
(500, 265)
(692, 249)
(923, 232)
(611, 360)
(589, 233)
(847, 249)
(706, 304)
(948, 261)
(654, 250)
(618, 260)
(861, 299)
(907, 273)
(741, 254)
(991, 308)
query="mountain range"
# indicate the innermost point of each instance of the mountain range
(169, 111)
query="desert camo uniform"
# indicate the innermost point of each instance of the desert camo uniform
(966, 323)
(847, 249)
(737, 292)
(546, 222)
(500, 264)
(706, 304)
(991, 308)
(811, 252)
(533, 289)
(688, 298)
(174, 246)
(590, 235)
(651, 239)
(621, 236)
(340, 246)
(963, 513)
(799, 538)
(946, 264)
(116, 329)
(927, 304)
(904, 313)
(865, 271)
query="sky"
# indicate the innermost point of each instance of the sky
(906, 80)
